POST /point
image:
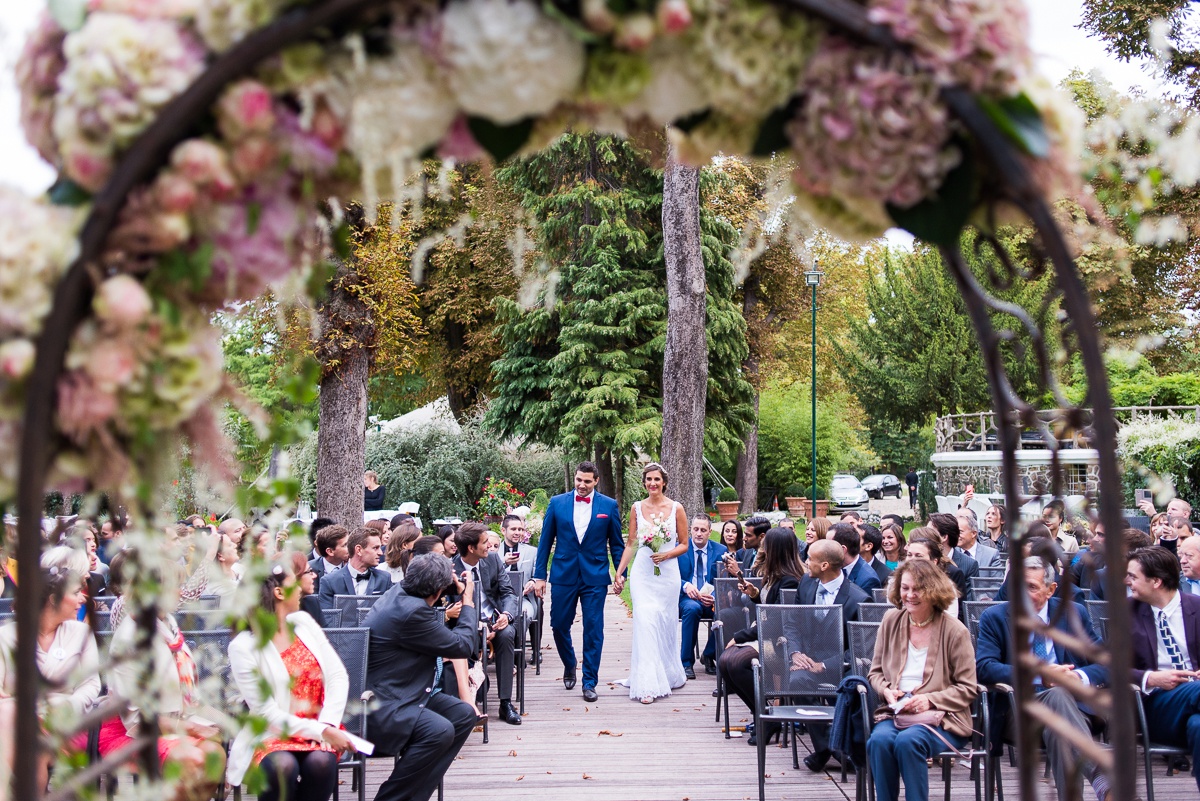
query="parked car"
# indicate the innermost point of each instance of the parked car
(845, 492)
(882, 485)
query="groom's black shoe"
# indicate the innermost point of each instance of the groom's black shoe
(687, 671)
(509, 714)
(816, 761)
(589, 694)
(569, 679)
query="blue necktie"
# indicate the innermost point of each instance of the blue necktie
(1173, 650)
(1041, 649)
(699, 578)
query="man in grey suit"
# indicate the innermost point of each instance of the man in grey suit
(422, 729)
(499, 606)
(519, 556)
(968, 540)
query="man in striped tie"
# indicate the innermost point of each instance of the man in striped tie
(1166, 649)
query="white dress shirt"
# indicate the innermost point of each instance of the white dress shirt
(1174, 612)
(360, 587)
(583, 513)
(1052, 655)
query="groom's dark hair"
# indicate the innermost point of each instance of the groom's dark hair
(588, 467)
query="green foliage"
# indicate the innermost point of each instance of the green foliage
(1124, 25)
(497, 497)
(538, 500)
(1164, 454)
(727, 494)
(926, 494)
(796, 491)
(785, 439)
(915, 355)
(1133, 381)
(900, 449)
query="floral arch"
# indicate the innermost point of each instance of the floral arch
(195, 140)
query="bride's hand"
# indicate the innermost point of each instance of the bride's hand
(659, 558)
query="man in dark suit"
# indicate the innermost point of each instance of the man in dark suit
(698, 567)
(331, 547)
(582, 529)
(422, 729)
(947, 526)
(825, 585)
(314, 528)
(995, 656)
(754, 530)
(853, 567)
(498, 606)
(870, 550)
(1166, 649)
(359, 576)
(1189, 563)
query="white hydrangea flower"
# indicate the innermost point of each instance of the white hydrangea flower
(223, 23)
(677, 85)
(507, 60)
(37, 242)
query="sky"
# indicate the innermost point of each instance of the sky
(1060, 47)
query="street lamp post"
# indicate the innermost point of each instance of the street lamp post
(812, 278)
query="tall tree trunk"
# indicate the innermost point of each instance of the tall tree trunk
(342, 431)
(746, 477)
(685, 363)
(604, 462)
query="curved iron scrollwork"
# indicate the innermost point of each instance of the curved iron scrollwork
(1012, 413)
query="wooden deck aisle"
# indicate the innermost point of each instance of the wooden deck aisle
(620, 750)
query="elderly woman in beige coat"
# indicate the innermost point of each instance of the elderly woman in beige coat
(924, 666)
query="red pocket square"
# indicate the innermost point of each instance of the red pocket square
(601, 517)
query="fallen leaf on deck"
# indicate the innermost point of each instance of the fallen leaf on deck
(512, 753)
(586, 776)
(566, 709)
(522, 776)
(674, 710)
(611, 733)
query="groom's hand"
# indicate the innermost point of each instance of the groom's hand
(539, 588)
(618, 585)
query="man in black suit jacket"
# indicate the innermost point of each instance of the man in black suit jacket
(359, 576)
(858, 571)
(1166, 649)
(755, 529)
(330, 545)
(870, 550)
(947, 526)
(499, 606)
(424, 730)
(825, 585)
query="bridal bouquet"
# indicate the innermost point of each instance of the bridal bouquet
(653, 534)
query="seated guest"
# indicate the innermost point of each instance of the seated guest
(968, 540)
(698, 567)
(870, 550)
(858, 571)
(313, 529)
(112, 537)
(752, 535)
(1189, 563)
(926, 544)
(424, 730)
(67, 660)
(399, 548)
(385, 532)
(331, 547)
(447, 535)
(306, 583)
(224, 571)
(923, 660)
(1183, 529)
(192, 747)
(826, 585)
(893, 544)
(373, 493)
(1052, 516)
(781, 569)
(297, 684)
(994, 660)
(519, 556)
(499, 607)
(947, 527)
(193, 572)
(235, 530)
(359, 576)
(1166, 650)
(993, 534)
(731, 536)
(1135, 539)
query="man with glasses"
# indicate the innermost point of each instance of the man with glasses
(698, 571)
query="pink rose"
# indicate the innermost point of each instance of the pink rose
(87, 168)
(253, 156)
(245, 108)
(674, 16)
(111, 365)
(122, 301)
(205, 165)
(635, 32)
(82, 407)
(16, 358)
(174, 192)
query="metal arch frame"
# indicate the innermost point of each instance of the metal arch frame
(73, 295)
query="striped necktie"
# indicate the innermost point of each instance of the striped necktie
(1173, 649)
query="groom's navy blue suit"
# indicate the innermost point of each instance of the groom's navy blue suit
(580, 574)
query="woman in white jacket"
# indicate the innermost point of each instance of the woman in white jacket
(303, 708)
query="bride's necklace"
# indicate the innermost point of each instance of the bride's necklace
(913, 620)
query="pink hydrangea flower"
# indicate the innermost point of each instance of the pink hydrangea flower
(111, 364)
(122, 301)
(314, 150)
(981, 44)
(206, 166)
(247, 258)
(82, 407)
(37, 72)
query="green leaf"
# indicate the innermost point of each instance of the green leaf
(772, 134)
(1019, 119)
(341, 241)
(940, 219)
(500, 141)
(253, 216)
(66, 192)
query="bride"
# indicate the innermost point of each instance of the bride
(656, 667)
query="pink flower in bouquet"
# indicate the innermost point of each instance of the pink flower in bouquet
(315, 150)
(459, 143)
(250, 253)
(871, 127)
(981, 44)
(37, 72)
(82, 407)
(111, 364)
(174, 192)
(205, 165)
(245, 108)
(674, 16)
(122, 301)
(253, 156)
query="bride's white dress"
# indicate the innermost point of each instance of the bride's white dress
(656, 667)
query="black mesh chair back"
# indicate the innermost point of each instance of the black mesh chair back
(873, 613)
(517, 580)
(203, 602)
(795, 634)
(788, 596)
(210, 652)
(862, 646)
(348, 603)
(104, 603)
(992, 572)
(1098, 611)
(192, 619)
(6, 606)
(6, 616)
(879, 595)
(351, 646)
(971, 612)
(732, 610)
(102, 621)
(985, 589)
(362, 611)
(333, 617)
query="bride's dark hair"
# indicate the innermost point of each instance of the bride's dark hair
(650, 468)
(780, 556)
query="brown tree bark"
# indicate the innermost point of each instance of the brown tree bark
(604, 463)
(685, 363)
(746, 476)
(345, 351)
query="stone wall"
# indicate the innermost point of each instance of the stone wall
(1079, 479)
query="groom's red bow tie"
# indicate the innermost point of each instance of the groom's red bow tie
(581, 499)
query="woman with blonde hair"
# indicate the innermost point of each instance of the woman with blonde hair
(924, 665)
(373, 493)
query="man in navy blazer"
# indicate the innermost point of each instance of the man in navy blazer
(359, 576)
(995, 654)
(1166, 649)
(582, 528)
(697, 567)
(853, 567)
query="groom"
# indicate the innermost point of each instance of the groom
(581, 528)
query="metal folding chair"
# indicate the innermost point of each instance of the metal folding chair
(517, 580)
(1098, 611)
(880, 595)
(1152, 749)
(985, 589)
(732, 612)
(873, 613)
(971, 612)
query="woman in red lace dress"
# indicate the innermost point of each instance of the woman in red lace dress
(303, 708)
